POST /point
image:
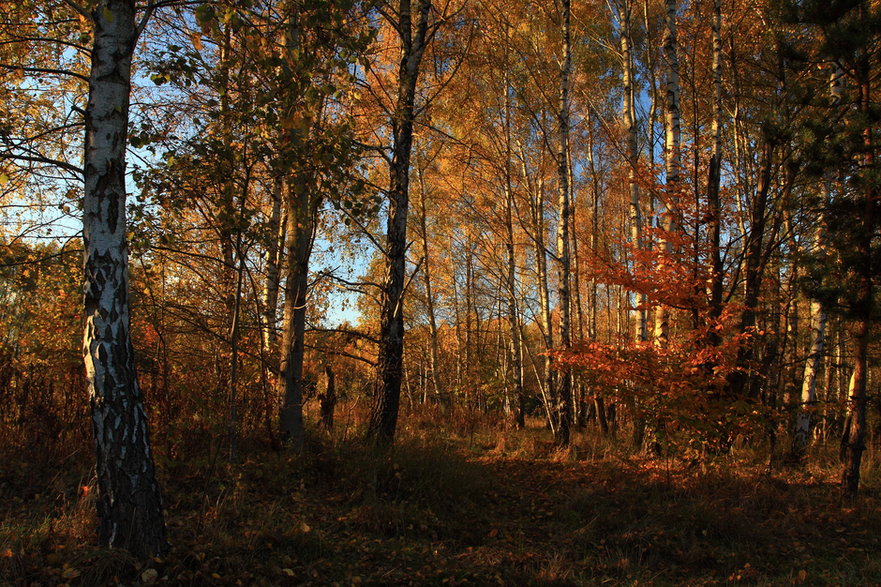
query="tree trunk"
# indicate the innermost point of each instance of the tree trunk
(234, 330)
(630, 127)
(429, 295)
(129, 502)
(387, 390)
(809, 380)
(564, 395)
(755, 263)
(579, 392)
(599, 403)
(328, 399)
(458, 322)
(511, 269)
(854, 439)
(537, 228)
(819, 316)
(301, 210)
(277, 229)
(672, 127)
(544, 292)
(715, 178)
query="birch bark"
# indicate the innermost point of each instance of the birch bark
(387, 387)
(819, 316)
(672, 127)
(564, 394)
(129, 502)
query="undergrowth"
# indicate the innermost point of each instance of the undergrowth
(456, 500)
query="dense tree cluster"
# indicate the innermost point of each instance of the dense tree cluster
(658, 217)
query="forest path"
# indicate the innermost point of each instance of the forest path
(496, 519)
(453, 514)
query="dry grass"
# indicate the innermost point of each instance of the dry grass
(459, 500)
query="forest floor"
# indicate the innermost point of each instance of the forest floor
(502, 508)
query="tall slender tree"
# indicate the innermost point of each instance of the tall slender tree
(413, 37)
(672, 152)
(564, 393)
(129, 501)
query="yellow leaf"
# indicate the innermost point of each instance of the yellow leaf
(4, 179)
(149, 576)
(70, 573)
(288, 572)
(196, 39)
(108, 14)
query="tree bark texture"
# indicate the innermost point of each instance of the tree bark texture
(511, 269)
(740, 380)
(129, 501)
(329, 398)
(854, 440)
(715, 176)
(429, 293)
(819, 315)
(630, 127)
(564, 395)
(301, 210)
(387, 386)
(672, 125)
(277, 230)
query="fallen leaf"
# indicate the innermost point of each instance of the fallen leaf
(149, 576)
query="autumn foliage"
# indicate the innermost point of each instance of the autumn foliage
(421, 291)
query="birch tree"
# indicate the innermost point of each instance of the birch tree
(819, 314)
(387, 388)
(564, 393)
(628, 111)
(672, 163)
(315, 154)
(715, 173)
(129, 501)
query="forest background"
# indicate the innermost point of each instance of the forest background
(633, 230)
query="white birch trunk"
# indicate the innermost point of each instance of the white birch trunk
(819, 316)
(672, 127)
(129, 501)
(630, 127)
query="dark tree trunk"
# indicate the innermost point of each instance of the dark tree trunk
(387, 387)
(301, 210)
(328, 399)
(853, 443)
(715, 177)
(740, 383)
(564, 394)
